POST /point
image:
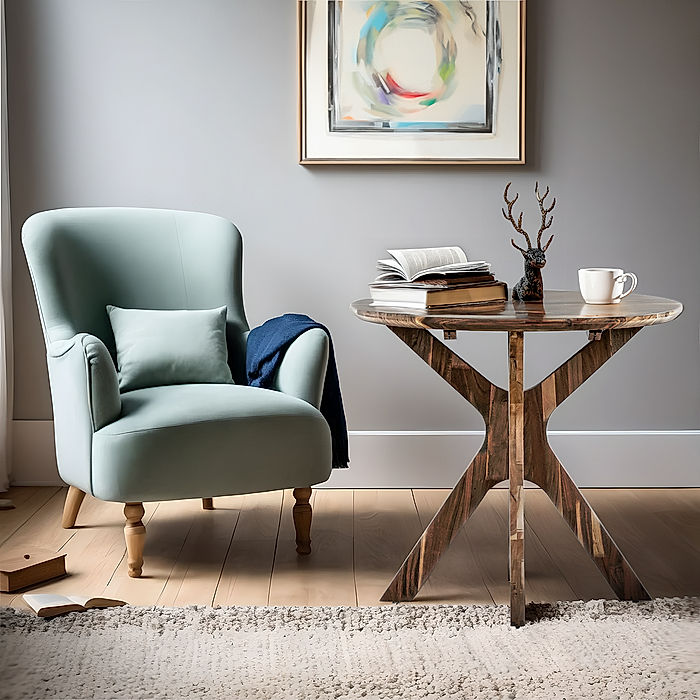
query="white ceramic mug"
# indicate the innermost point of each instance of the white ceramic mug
(604, 285)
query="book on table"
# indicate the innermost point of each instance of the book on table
(438, 297)
(50, 604)
(411, 264)
(425, 278)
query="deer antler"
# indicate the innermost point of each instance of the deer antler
(544, 211)
(517, 225)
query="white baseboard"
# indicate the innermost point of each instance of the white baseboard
(595, 459)
(436, 459)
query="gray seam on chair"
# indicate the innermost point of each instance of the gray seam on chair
(182, 264)
(88, 372)
(203, 422)
(88, 379)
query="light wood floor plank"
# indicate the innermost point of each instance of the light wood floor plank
(487, 534)
(543, 580)
(386, 526)
(26, 504)
(195, 576)
(19, 494)
(662, 533)
(94, 551)
(457, 577)
(245, 578)
(42, 530)
(557, 539)
(677, 509)
(165, 537)
(325, 576)
(631, 529)
(196, 556)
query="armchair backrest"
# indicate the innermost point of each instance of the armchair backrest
(83, 259)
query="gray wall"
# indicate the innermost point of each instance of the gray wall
(191, 104)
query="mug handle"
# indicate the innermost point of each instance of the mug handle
(633, 278)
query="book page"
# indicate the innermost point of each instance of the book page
(415, 260)
(39, 601)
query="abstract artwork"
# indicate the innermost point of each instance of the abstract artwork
(411, 81)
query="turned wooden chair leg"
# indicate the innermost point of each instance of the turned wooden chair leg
(301, 512)
(208, 504)
(135, 536)
(74, 500)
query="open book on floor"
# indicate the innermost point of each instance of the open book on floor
(411, 264)
(50, 604)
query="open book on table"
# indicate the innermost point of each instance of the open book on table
(50, 604)
(411, 264)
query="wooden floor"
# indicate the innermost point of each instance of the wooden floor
(242, 553)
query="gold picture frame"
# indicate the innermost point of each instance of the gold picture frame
(324, 139)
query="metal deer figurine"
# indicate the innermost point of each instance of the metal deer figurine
(530, 286)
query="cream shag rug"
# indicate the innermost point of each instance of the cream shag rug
(599, 649)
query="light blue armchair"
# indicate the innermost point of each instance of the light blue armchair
(166, 442)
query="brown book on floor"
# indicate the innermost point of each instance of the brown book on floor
(29, 567)
(426, 298)
(50, 604)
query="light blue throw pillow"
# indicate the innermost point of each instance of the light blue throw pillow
(157, 348)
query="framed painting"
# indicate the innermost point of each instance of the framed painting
(411, 81)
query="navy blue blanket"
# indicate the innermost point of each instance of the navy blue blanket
(266, 347)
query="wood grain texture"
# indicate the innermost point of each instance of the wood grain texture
(487, 534)
(386, 524)
(666, 570)
(247, 569)
(516, 445)
(302, 513)
(487, 468)
(544, 469)
(459, 374)
(94, 551)
(458, 576)
(199, 565)
(546, 581)
(547, 531)
(74, 499)
(559, 311)
(29, 567)
(675, 531)
(168, 530)
(28, 500)
(207, 504)
(135, 537)
(325, 577)
(516, 470)
(658, 529)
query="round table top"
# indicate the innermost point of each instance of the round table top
(560, 311)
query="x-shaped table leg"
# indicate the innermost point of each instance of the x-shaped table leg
(515, 447)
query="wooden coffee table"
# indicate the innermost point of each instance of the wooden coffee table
(516, 445)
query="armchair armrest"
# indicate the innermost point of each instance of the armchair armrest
(302, 371)
(85, 362)
(85, 398)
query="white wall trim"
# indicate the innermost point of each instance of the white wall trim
(549, 432)
(437, 458)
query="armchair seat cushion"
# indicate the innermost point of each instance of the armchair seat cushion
(205, 440)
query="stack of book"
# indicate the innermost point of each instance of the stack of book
(434, 278)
